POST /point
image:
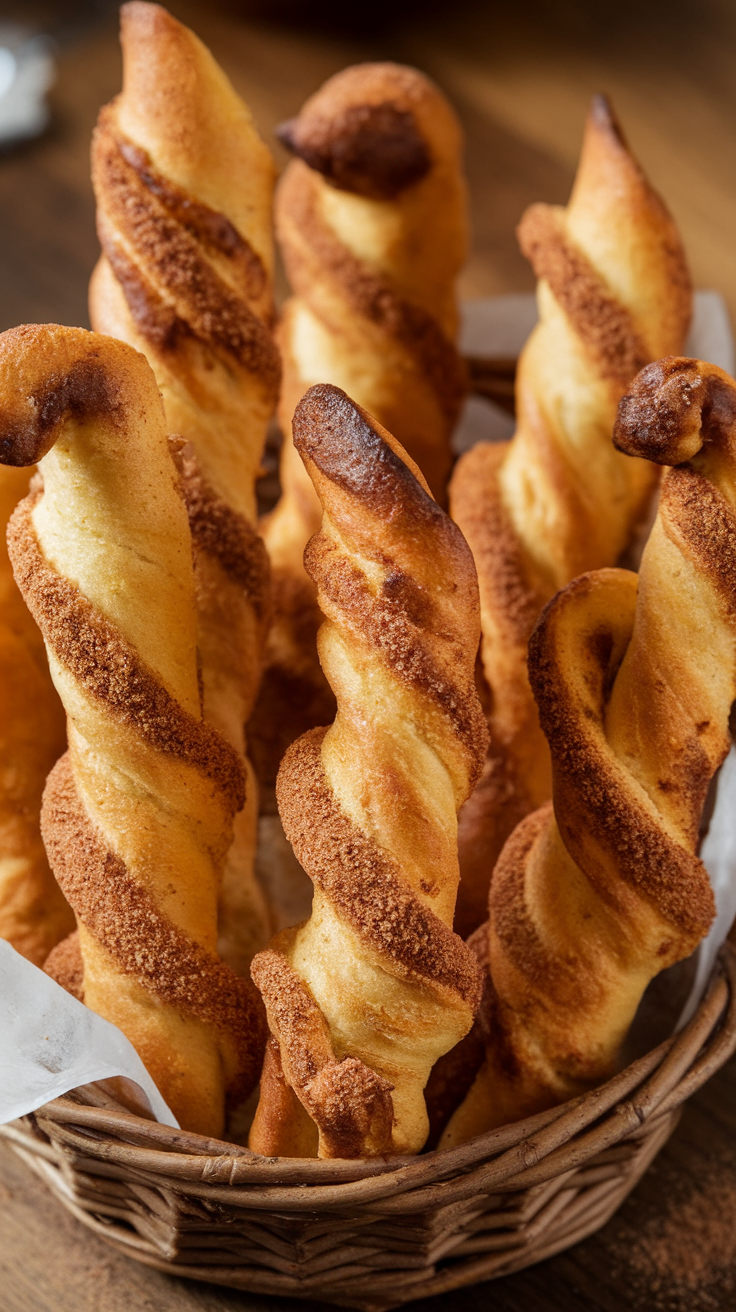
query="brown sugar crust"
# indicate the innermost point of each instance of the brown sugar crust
(379, 157)
(214, 231)
(558, 501)
(109, 669)
(64, 964)
(617, 819)
(372, 150)
(372, 297)
(223, 533)
(505, 576)
(124, 918)
(400, 623)
(635, 680)
(168, 232)
(364, 883)
(602, 323)
(396, 584)
(349, 1102)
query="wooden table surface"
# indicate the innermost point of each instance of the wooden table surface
(520, 79)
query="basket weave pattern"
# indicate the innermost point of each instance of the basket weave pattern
(373, 1235)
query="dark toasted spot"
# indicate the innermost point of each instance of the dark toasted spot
(83, 391)
(372, 150)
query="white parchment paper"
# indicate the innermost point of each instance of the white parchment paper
(50, 1043)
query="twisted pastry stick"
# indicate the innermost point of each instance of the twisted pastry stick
(138, 815)
(363, 997)
(634, 687)
(33, 913)
(558, 499)
(372, 224)
(184, 187)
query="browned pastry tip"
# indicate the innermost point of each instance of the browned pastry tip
(676, 408)
(37, 398)
(359, 455)
(361, 130)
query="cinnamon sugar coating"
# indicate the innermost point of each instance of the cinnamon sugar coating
(365, 996)
(224, 534)
(613, 292)
(147, 214)
(100, 660)
(635, 678)
(65, 965)
(125, 920)
(139, 815)
(184, 189)
(363, 882)
(602, 323)
(372, 223)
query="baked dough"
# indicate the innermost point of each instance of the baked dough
(635, 679)
(365, 996)
(34, 915)
(614, 293)
(372, 224)
(184, 190)
(137, 816)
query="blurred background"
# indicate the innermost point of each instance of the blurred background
(520, 75)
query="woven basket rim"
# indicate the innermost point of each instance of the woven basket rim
(513, 1157)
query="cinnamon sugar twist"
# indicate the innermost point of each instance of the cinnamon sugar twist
(184, 191)
(634, 685)
(371, 219)
(33, 913)
(613, 293)
(138, 815)
(363, 997)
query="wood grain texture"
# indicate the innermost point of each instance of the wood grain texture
(520, 77)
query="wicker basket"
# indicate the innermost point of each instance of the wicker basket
(376, 1234)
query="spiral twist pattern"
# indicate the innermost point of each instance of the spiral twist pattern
(363, 997)
(184, 190)
(635, 680)
(371, 219)
(137, 816)
(557, 500)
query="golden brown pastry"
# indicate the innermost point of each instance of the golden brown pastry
(365, 996)
(184, 190)
(371, 219)
(635, 680)
(613, 293)
(137, 817)
(34, 915)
